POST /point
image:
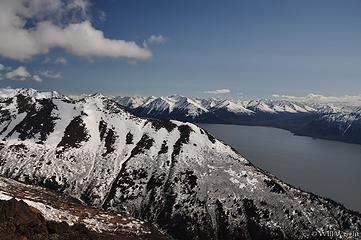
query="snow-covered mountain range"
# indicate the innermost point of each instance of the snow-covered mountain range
(194, 107)
(329, 121)
(170, 173)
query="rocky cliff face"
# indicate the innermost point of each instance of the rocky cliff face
(171, 173)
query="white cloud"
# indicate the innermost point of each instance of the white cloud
(61, 60)
(312, 97)
(20, 73)
(49, 74)
(218, 91)
(57, 24)
(157, 39)
(37, 78)
(83, 40)
(102, 16)
(4, 68)
(46, 60)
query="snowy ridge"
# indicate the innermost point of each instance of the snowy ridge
(167, 172)
(329, 121)
(175, 104)
(234, 107)
(196, 106)
(29, 92)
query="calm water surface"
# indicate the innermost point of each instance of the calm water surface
(327, 168)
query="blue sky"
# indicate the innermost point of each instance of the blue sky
(256, 48)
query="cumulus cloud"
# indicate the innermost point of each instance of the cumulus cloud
(37, 78)
(57, 24)
(46, 60)
(4, 68)
(157, 39)
(49, 74)
(102, 16)
(218, 91)
(312, 97)
(61, 60)
(20, 73)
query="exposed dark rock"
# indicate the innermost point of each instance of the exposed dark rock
(5, 116)
(20, 221)
(162, 123)
(52, 183)
(74, 134)
(255, 229)
(129, 138)
(145, 143)
(275, 187)
(190, 178)
(109, 142)
(185, 132)
(164, 148)
(222, 221)
(125, 179)
(36, 121)
(102, 129)
(210, 137)
(25, 103)
(18, 147)
(155, 182)
(113, 106)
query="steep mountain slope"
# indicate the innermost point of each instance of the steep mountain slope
(171, 173)
(39, 213)
(311, 119)
(342, 122)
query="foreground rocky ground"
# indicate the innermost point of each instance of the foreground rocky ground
(32, 212)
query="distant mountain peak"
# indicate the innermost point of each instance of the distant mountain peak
(28, 92)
